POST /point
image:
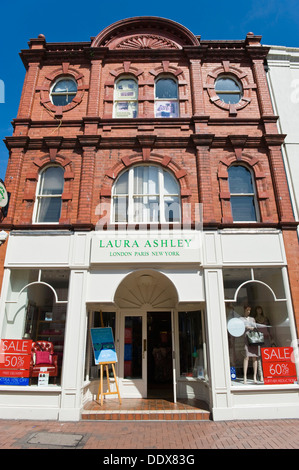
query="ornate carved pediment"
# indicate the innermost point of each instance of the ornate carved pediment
(146, 41)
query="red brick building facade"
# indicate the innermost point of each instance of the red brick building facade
(94, 143)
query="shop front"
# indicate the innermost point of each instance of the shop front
(176, 305)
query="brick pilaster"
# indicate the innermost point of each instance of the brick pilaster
(279, 180)
(89, 146)
(15, 166)
(94, 87)
(202, 144)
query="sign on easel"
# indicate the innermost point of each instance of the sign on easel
(103, 345)
(104, 355)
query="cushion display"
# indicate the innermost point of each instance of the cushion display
(43, 357)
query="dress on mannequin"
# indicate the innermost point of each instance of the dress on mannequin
(251, 351)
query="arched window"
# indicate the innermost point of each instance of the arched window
(63, 91)
(125, 98)
(48, 197)
(146, 194)
(166, 98)
(242, 194)
(228, 89)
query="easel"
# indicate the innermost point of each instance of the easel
(100, 391)
(106, 364)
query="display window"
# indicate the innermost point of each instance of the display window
(32, 337)
(259, 328)
(192, 345)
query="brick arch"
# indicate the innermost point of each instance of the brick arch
(246, 159)
(53, 157)
(166, 68)
(253, 164)
(157, 159)
(126, 68)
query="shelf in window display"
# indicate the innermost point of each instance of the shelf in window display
(51, 333)
(52, 321)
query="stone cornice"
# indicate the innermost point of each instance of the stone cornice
(150, 140)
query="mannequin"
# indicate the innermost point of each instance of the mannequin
(263, 325)
(250, 350)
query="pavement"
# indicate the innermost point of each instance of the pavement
(149, 438)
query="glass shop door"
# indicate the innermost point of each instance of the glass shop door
(133, 354)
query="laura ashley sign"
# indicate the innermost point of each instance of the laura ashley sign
(148, 247)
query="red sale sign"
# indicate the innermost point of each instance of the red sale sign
(278, 366)
(15, 356)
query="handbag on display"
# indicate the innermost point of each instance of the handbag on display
(255, 337)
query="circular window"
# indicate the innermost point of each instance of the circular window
(63, 91)
(228, 90)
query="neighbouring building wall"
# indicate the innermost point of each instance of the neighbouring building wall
(283, 78)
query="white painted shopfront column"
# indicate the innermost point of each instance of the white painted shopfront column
(217, 340)
(74, 348)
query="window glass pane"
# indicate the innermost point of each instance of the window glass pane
(166, 109)
(65, 86)
(133, 348)
(191, 344)
(61, 100)
(146, 180)
(232, 279)
(121, 186)
(166, 88)
(126, 109)
(273, 278)
(126, 89)
(229, 98)
(240, 180)
(243, 208)
(121, 209)
(268, 315)
(226, 84)
(172, 209)
(52, 181)
(170, 184)
(146, 209)
(49, 209)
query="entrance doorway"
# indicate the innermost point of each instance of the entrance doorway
(159, 355)
(146, 354)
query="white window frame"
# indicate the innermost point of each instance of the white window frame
(117, 99)
(253, 195)
(65, 77)
(161, 196)
(40, 196)
(171, 100)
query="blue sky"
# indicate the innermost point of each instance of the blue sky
(277, 22)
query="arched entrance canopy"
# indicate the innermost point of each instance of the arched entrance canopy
(146, 287)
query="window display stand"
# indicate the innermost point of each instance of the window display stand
(101, 387)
